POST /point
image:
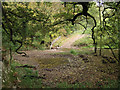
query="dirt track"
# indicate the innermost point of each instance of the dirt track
(70, 41)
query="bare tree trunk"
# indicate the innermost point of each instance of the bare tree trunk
(100, 30)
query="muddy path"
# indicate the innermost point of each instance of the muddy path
(56, 68)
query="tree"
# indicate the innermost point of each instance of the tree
(34, 24)
(84, 12)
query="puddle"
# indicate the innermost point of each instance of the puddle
(51, 62)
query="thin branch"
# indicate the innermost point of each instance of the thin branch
(19, 48)
(83, 27)
(3, 26)
(74, 18)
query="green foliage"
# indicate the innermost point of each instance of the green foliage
(30, 82)
(84, 42)
(111, 84)
(63, 85)
(15, 77)
(109, 35)
(74, 52)
(36, 23)
(32, 26)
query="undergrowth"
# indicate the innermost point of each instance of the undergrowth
(14, 77)
(84, 42)
(74, 52)
(87, 84)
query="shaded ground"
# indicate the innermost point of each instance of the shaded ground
(56, 67)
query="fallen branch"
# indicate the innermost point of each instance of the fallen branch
(19, 48)
(32, 76)
(112, 52)
(25, 66)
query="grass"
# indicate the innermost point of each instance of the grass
(87, 42)
(84, 42)
(60, 41)
(14, 77)
(67, 51)
(64, 39)
(110, 84)
(84, 51)
(89, 46)
(74, 52)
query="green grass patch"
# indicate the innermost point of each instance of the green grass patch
(14, 77)
(74, 52)
(87, 84)
(111, 84)
(60, 41)
(89, 46)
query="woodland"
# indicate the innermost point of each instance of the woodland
(60, 44)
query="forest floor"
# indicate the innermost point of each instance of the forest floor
(59, 65)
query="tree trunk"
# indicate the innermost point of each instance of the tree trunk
(10, 55)
(100, 30)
